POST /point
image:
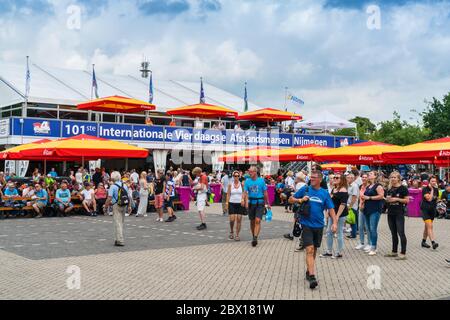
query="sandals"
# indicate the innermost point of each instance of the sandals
(230, 237)
(237, 238)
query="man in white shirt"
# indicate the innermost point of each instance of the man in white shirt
(134, 177)
(79, 175)
(353, 202)
(88, 197)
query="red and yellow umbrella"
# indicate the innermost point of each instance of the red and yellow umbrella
(336, 167)
(252, 155)
(83, 147)
(303, 153)
(14, 152)
(359, 153)
(432, 151)
(117, 104)
(203, 110)
(269, 115)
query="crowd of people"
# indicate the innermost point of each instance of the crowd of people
(349, 203)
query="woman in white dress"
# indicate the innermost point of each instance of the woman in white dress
(143, 195)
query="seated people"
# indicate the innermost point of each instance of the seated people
(88, 199)
(62, 200)
(40, 200)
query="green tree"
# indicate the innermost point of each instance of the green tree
(436, 117)
(363, 125)
(399, 132)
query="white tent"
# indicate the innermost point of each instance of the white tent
(325, 121)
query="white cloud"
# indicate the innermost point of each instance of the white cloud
(326, 56)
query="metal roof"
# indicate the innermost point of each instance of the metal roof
(70, 87)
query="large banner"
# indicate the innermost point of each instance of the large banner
(184, 135)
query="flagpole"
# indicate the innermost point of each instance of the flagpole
(27, 89)
(285, 98)
(92, 83)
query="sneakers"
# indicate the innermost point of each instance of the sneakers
(312, 282)
(372, 252)
(201, 227)
(127, 214)
(425, 245)
(145, 215)
(171, 219)
(118, 244)
(337, 256)
(255, 242)
(288, 236)
(359, 247)
(448, 261)
(367, 248)
(435, 245)
(159, 220)
(326, 255)
(299, 247)
(391, 255)
(401, 257)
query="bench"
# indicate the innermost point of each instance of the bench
(176, 204)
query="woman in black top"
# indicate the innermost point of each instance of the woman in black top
(339, 195)
(430, 194)
(396, 200)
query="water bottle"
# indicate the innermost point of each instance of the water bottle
(269, 215)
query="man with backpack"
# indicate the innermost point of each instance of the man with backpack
(120, 201)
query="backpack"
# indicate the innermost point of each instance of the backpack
(122, 199)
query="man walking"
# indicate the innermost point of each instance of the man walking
(254, 198)
(313, 223)
(117, 198)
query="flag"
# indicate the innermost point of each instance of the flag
(94, 83)
(245, 98)
(27, 80)
(150, 98)
(294, 99)
(202, 92)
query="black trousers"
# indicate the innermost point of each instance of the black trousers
(397, 226)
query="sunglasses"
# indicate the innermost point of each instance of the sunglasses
(336, 178)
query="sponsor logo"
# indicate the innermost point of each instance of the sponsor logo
(47, 152)
(300, 157)
(344, 142)
(444, 153)
(365, 158)
(41, 127)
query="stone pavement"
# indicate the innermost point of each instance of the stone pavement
(175, 261)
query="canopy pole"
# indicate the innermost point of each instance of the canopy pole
(45, 167)
(126, 164)
(64, 167)
(82, 161)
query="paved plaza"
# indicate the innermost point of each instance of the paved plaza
(175, 261)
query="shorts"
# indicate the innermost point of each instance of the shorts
(255, 211)
(201, 201)
(169, 203)
(40, 205)
(428, 216)
(88, 202)
(159, 201)
(235, 208)
(312, 236)
(63, 206)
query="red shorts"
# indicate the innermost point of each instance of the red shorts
(159, 201)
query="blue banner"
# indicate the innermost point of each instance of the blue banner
(71, 128)
(35, 127)
(130, 132)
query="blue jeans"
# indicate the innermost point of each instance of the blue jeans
(340, 235)
(355, 226)
(372, 220)
(362, 227)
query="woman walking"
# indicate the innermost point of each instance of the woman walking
(235, 209)
(339, 195)
(143, 195)
(373, 203)
(397, 198)
(289, 189)
(428, 205)
(361, 216)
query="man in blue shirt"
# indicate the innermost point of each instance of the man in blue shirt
(118, 211)
(312, 225)
(62, 200)
(53, 173)
(41, 197)
(11, 191)
(254, 197)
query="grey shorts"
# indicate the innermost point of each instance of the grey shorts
(255, 211)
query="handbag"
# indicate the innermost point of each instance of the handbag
(351, 217)
(297, 232)
(304, 208)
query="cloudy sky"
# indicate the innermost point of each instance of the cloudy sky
(323, 50)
